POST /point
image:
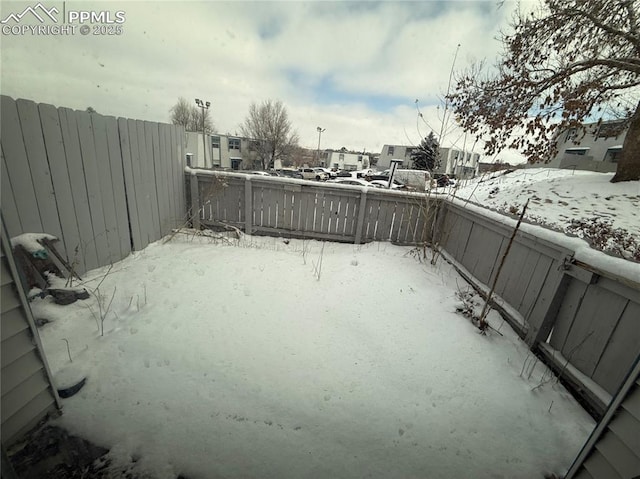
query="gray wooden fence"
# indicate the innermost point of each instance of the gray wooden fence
(299, 208)
(103, 186)
(584, 320)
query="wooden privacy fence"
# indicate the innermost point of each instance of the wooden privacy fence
(299, 208)
(103, 186)
(584, 320)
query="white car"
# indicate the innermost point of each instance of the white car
(354, 182)
(312, 174)
(383, 184)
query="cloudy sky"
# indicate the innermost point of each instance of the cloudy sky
(353, 68)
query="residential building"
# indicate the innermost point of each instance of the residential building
(452, 161)
(345, 160)
(222, 151)
(594, 146)
(394, 152)
(457, 163)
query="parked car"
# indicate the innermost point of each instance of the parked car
(343, 174)
(354, 182)
(330, 173)
(384, 183)
(312, 174)
(291, 174)
(418, 179)
(259, 173)
(443, 180)
(323, 174)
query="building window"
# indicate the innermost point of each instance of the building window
(341, 157)
(408, 152)
(613, 154)
(610, 130)
(571, 134)
(215, 142)
(359, 157)
(576, 151)
(234, 144)
(391, 150)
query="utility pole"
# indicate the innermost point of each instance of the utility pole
(320, 130)
(204, 106)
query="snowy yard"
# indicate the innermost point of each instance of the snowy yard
(581, 203)
(275, 359)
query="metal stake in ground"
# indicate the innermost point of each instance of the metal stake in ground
(482, 324)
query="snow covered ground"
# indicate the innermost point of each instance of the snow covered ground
(582, 203)
(266, 358)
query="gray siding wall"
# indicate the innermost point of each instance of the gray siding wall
(584, 321)
(27, 393)
(103, 186)
(613, 450)
(280, 206)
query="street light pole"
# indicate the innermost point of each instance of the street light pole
(320, 130)
(204, 106)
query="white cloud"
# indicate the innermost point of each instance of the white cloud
(233, 53)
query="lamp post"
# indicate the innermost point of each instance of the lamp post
(204, 106)
(320, 130)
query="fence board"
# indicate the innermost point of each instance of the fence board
(159, 185)
(165, 190)
(18, 167)
(537, 280)
(106, 189)
(599, 313)
(138, 157)
(118, 185)
(9, 209)
(39, 168)
(92, 182)
(147, 151)
(129, 156)
(69, 127)
(621, 350)
(176, 178)
(567, 313)
(52, 135)
(512, 273)
(482, 252)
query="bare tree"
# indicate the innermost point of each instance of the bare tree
(564, 63)
(268, 124)
(190, 116)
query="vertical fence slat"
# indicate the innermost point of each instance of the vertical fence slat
(56, 155)
(129, 156)
(18, 167)
(106, 187)
(92, 182)
(88, 257)
(9, 210)
(39, 168)
(118, 183)
(138, 157)
(361, 215)
(149, 178)
(168, 192)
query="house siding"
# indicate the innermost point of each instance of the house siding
(613, 450)
(27, 391)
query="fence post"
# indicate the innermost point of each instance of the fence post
(360, 225)
(248, 206)
(195, 201)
